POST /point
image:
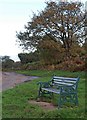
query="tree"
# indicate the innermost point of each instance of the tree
(28, 57)
(50, 51)
(0, 59)
(64, 21)
(5, 58)
(7, 62)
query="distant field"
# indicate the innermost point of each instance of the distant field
(16, 101)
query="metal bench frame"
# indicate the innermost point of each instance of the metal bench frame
(64, 86)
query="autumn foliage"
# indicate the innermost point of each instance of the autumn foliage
(58, 35)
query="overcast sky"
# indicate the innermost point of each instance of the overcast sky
(14, 14)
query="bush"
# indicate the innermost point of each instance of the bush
(71, 65)
(75, 64)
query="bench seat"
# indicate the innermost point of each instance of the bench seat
(53, 90)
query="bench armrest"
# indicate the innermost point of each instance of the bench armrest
(44, 84)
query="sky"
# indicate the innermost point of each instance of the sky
(14, 14)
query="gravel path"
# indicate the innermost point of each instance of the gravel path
(11, 79)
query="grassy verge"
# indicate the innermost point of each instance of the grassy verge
(47, 73)
(15, 102)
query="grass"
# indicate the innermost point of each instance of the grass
(15, 102)
(46, 73)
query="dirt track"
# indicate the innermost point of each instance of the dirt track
(11, 79)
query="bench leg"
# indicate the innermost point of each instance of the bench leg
(51, 95)
(60, 102)
(76, 99)
(39, 93)
(73, 98)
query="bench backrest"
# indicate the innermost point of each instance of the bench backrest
(65, 81)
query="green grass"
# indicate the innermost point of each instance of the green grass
(16, 101)
(46, 73)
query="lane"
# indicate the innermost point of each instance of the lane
(11, 79)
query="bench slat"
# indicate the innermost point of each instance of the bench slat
(67, 81)
(63, 83)
(52, 90)
(65, 78)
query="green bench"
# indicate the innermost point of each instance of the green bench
(64, 86)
